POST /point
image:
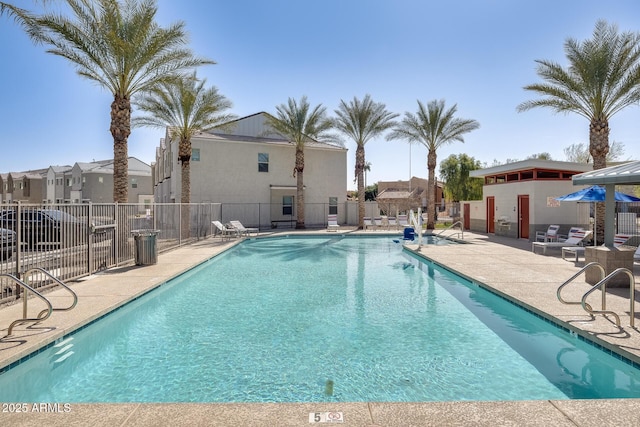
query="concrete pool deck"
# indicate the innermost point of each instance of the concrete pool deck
(506, 265)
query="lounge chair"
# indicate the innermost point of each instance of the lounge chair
(392, 222)
(377, 222)
(367, 222)
(332, 223)
(242, 230)
(577, 251)
(224, 230)
(563, 237)
(575, 238)
(551, 235)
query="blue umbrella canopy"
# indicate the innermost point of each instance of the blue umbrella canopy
(595, 194)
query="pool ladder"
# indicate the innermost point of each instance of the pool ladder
(460, 234)
(602, 284)
(44, 314)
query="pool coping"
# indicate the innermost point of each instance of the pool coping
(600, 344)
(565, 412)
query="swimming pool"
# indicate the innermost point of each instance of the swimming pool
(318, 319)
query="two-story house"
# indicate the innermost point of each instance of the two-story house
(250, 173)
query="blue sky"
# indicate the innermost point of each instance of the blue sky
(477, 54)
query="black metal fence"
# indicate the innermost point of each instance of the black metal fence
(75, 240)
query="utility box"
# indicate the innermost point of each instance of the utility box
(146, 247)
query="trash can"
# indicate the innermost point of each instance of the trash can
(146, 250)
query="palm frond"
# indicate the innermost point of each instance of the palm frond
(602, 76)
(299, 123)
(362, 120)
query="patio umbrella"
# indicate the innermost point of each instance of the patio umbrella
(595, 193)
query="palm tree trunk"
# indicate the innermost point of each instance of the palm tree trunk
(360, 176)
(599, 148)
(431, 193)
(120, 130)
(184, 155)
(299, 170)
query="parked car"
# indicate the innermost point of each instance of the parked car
(7, 243)
(45, 228)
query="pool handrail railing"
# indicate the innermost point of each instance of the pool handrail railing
(24, 319)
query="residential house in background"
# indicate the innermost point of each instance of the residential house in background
(25, 186)
(82, 182)
(94, 182)
(250, 174)
(396, 197)
(55, 184)
(4, 187)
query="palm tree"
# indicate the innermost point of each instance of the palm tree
(432, 127)
(300, 124)
(361, 121)
(367, 168)
(119, 46)
(603, 78)
(186, 107)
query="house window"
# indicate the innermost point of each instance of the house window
(195, 154)
(100, 179)
(263, 162)
(333, 205)
(287, 205)
(134, 182)
(68, 182)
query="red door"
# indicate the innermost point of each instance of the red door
(467, 216)
(491, 214)
(523, 216)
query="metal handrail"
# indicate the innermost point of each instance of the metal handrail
(450, 227)
(416, 221)
(24, 304)
(582, 270)
(59, 282)
(603, 283)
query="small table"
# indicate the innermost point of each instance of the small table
(577, 250)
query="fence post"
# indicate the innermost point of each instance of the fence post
(90, 238)
(118, 230)
(17, 219)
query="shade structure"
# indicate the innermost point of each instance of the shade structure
(595, 193)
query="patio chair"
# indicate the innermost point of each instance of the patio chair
(551, 235)
(377, 222)
(563, 237)
(575, 239)
(403, 221)
(392, 222)
(332, 222)
(224, 230)
(242, 230)
(367, 222)
(577, 251)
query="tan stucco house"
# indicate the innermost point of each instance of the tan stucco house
(250, 174)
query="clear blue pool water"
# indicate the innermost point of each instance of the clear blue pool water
(318, 319)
